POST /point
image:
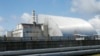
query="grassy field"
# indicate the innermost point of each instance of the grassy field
(94, 55)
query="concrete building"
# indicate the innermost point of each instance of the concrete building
(27, 30)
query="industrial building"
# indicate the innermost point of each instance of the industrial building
(27, 30)
(54, 26)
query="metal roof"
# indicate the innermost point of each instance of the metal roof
(66, 26)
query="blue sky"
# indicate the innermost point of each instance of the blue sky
(12, 10)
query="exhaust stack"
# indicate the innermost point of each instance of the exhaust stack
(33, 16)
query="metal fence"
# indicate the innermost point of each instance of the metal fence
(56, 38)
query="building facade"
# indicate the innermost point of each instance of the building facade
(27, 30)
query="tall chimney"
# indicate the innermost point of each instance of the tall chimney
(33, 16)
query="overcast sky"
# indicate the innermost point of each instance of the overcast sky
(13, 12)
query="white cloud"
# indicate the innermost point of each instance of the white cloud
(86, 6)
(95, 22)
(26, 18)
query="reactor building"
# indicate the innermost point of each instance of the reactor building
(54, 26)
